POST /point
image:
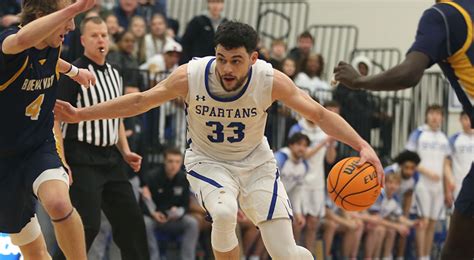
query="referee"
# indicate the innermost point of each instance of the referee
(95, 151)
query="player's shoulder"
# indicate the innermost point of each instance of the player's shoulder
(5, 33)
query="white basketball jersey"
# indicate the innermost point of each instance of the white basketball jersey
(228, 129)
(432, 147)
(315, 179)
(462, 146)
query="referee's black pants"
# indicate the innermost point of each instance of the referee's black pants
(100, 182)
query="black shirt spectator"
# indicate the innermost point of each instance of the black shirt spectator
(168, 189)
(198, 38)
(168, 192)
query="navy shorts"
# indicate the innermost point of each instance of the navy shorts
(17, 174)
(465, 201)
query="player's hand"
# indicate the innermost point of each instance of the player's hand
(65, 112)
(83, 5)
(300, 220)
(84, 78)
(346, 74)
(159, 217)
(403, 230)
(367, 154)
(448, 199)
(134, 160)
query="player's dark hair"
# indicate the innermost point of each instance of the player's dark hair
(92, 19)
(298, 137)
(232, 35)
(434, 107)
(463, 113)
(32, 9)
(407, 156)
(173, 151)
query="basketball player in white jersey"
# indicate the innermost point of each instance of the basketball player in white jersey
(459, 163)
(229, 160)
(432, 146)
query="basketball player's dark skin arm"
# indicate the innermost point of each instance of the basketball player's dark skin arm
(176, 85)
(405, 75)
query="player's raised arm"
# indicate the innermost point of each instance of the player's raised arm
(405, 75)
(176, 85)
(40, 29)
(286, 91)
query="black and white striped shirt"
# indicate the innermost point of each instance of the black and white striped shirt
(109, 86)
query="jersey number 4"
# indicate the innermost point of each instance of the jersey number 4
(218, 132)
(33, 109)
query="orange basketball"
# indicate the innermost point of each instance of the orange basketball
(353, 188)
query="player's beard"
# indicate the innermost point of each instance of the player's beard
(239, 83)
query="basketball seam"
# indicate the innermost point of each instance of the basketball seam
(357, 205)
(343, 198)
(359, 192)
(337, 180)
(353, 177)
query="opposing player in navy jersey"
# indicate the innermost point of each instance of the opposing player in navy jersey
(30, 165)
(229, 162)
(444, 36)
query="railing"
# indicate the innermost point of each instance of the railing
(334, 42)
(283, 20)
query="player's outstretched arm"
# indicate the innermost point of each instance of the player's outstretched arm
(286, 91)
(176, 85)
(405, 75)
(36, 31)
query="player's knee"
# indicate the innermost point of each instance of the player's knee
(57, 208)
(224, 216)
(224, 221)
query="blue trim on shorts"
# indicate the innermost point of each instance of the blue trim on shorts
(205, 179)
(274, 197)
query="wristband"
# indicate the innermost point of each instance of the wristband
(72, 72)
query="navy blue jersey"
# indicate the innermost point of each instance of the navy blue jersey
(445, 35)
(28, 83)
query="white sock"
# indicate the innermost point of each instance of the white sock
(254, 257)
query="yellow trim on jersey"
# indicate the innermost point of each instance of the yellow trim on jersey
(57, 66)
(14, 77)
(462, 66)
(59, 149)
